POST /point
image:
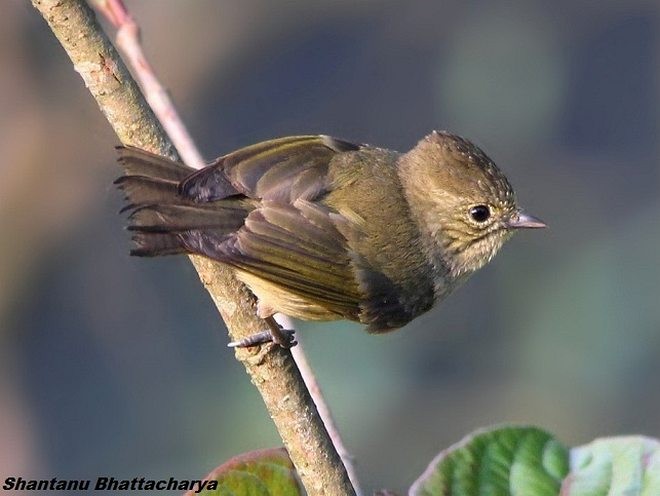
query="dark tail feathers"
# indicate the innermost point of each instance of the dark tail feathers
(160, 216)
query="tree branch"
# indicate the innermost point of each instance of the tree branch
(128, 41)
(271, 368)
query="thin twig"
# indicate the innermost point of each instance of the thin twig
(128, 41)
(271, 368)
(314, 388)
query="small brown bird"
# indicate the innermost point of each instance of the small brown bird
(323, 229)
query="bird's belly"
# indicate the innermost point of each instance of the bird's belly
(273, 299)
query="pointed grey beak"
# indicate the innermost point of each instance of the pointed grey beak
(521, 220)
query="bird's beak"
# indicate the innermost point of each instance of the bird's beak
(521, 220)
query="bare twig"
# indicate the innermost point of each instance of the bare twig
(324, 410)
(128, 41)
(272, 369)
(314, 388)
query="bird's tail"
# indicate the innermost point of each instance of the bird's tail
(162, 219)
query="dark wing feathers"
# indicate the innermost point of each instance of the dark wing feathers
(138, 162)
(304, 172)
(282, 245)
(283, 169)
(146, 190)
(250, 209)
(151, 244)
(295, 247)
(318, 232)
(208, 184)
(178, 218)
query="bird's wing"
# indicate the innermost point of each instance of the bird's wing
(296, 247)
(288, 240)
(282, 170)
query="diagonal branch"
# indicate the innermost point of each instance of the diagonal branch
(271, 368)
(128, 42)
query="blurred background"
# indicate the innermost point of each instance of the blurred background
(111, 365)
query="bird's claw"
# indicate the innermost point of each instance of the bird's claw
(283, 337)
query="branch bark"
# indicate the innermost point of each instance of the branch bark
(272, 369)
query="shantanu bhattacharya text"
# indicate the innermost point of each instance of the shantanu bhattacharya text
(108, 484)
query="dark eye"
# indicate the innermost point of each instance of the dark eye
(480, 213)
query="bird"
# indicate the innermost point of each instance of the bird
(322, 229)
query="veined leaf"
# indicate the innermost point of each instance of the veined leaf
(526, 461)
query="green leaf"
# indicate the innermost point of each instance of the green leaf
(257, 473)
(627, 466)
(504, 461)
(526, 461)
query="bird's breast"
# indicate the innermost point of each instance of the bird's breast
(390, 265)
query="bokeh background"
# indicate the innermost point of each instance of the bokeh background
(113, 365)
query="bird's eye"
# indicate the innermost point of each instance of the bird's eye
(480, 213)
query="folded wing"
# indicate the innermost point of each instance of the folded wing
(283, 170)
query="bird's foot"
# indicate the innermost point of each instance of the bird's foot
(275, 334)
